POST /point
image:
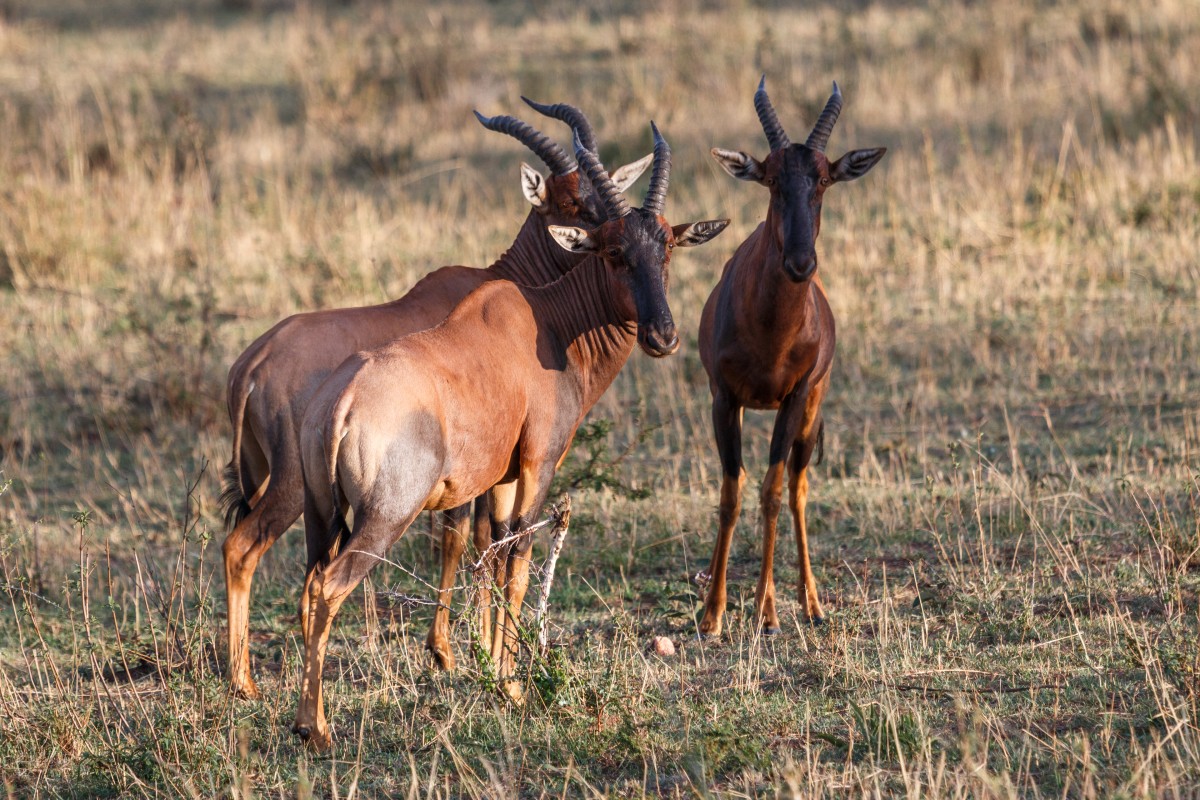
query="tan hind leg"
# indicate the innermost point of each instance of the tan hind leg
(321, 602)
(305, 606)
(454, 541)
(327, 588)
(243, 549)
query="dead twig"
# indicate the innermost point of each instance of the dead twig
(561, 514)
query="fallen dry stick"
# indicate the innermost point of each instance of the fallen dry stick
(562, 519)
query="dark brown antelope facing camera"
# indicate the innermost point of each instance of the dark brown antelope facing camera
(490, 398)
(767, 342)
(271, 383)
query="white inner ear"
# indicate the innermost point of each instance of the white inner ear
(687, 238)
(624, 176)
(701, 232)
(736, 163)
(574, 239)
(533, 185)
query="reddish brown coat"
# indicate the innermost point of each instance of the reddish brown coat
(767, 339)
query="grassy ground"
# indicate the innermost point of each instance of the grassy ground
(1006, 523)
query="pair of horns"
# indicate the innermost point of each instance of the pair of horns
(614, 201)
(777, 138)
(543, 146)
(585, 154)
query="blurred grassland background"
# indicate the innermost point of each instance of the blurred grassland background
(1006, 523)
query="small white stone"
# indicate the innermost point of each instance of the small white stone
(662, 646)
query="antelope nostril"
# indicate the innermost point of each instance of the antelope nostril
(800, 269)
(658, 343)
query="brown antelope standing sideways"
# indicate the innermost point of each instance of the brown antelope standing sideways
(271, 383)
(490, 398)
(767, 342)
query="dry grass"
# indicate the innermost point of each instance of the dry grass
(1007, 519)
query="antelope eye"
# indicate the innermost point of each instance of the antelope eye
(769, 181)
(825, 181)
(612, 252)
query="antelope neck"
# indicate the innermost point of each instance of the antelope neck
(582, 313)
(534, 259)
(773, 300)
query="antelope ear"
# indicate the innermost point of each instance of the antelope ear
(690, 234)
(623, 177)
(855, 164)
(533, 185)
(738, 164)
(576, 240)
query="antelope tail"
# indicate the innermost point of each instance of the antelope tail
(339, 531)
(235, 504)
(821, 443)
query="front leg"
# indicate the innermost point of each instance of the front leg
(494, 568)
(787, 423)
(811, 432)
(483, 588)
(454, 541)
(531, 495)
(727, 427)
(765, 612)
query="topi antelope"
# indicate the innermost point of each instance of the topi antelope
(767, 342)
(272, 382)
(490, 398)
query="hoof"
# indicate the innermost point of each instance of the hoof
(513, 691)
(816, 622)
(701, 636)
(315, 740)
(246, 690)
(443, 660)
(771, 630)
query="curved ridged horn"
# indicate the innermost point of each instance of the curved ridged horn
(611, 196)
(820, 132)
(656, 195)
(570, 115)
(766, 115)
(546, 149)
